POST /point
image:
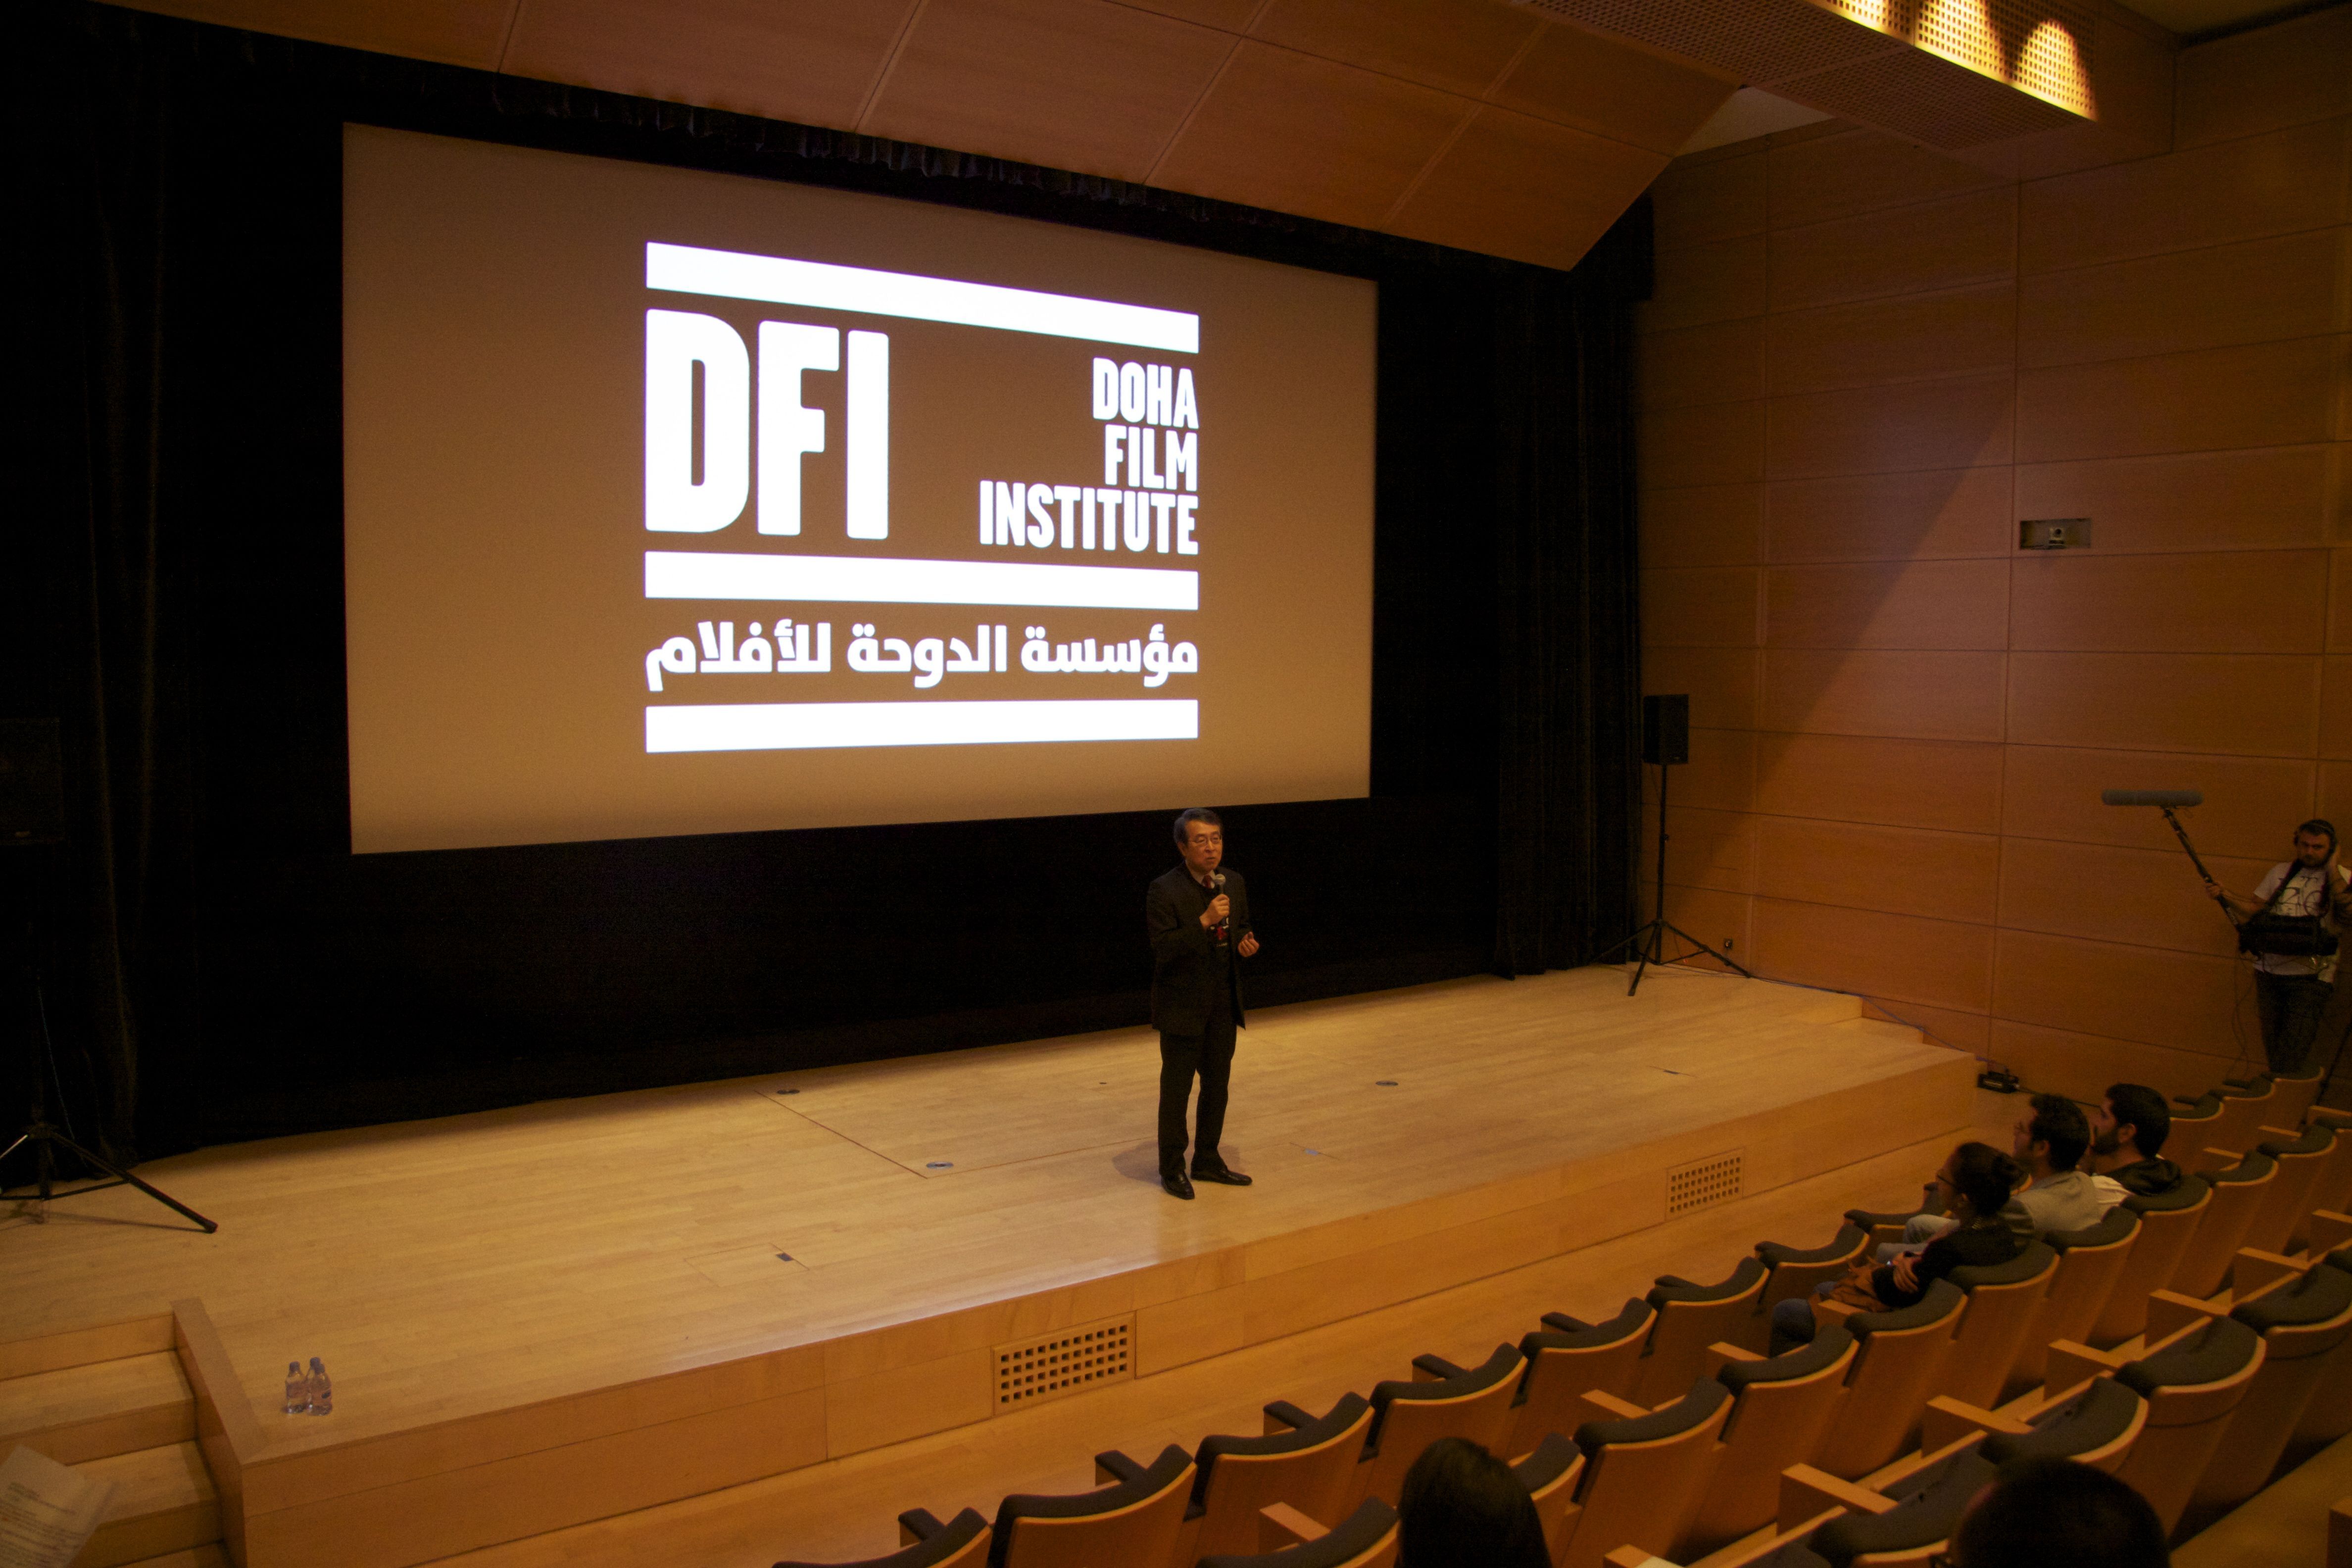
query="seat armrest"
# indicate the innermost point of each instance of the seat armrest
(1629, 1557)
(1284, 1416)
(1561, 1323)
(2207, 1161)
(1434, 1369)
(1947, 1420)
(1111, 1467)
(2283, 1134)
(2257, 1273)
(1281, 1526)
(2329, 1230)
(1720, 1355)
(1806, 1492)
(1599, 1404)
(1835, 1311)
(2073, 1365)
(2169, 1311)
(918, 1525)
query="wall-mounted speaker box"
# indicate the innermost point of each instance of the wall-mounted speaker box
(32, 781)
(1665, 728)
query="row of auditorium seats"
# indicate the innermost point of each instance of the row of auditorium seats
(2139, 1345)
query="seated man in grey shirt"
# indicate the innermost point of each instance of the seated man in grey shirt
(2049, 1141)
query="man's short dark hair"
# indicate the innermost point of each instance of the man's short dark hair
(2041, 1511)
(2059, 1122)
(2143, 1109)
(1184, 820)
(2321, 827)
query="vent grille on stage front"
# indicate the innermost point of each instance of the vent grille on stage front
(1713, 1179)
(1062, 1363)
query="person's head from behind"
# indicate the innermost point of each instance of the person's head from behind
(1978, 1180)
(2132, 1113)
(1460, 1507)
(2047, 1511)
(2051, 1134)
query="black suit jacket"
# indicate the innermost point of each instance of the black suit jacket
(1184, 960)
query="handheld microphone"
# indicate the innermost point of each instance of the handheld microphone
(1218, 878)
(2168, 799)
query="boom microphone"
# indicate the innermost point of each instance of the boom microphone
(2168, 799)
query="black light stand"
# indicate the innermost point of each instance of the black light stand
(1660, 730)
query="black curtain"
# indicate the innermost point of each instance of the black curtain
(216, 964)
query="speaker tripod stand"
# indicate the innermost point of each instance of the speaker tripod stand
(1647, 945)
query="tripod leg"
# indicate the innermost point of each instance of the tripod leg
(1719, 958)
(119, 1175)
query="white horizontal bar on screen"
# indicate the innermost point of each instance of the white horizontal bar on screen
(821, 285)
(799, 726)
(892, 580)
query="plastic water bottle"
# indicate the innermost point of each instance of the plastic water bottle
(298, 1390)
(322, 1393)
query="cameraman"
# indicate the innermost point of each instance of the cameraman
(2291, 992)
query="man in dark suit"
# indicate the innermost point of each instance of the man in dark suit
(1198, 918)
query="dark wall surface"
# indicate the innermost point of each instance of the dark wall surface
(217, 965)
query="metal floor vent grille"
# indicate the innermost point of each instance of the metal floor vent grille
(1712, 1180)
(1065, 1362)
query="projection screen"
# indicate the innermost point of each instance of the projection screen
(679, 502)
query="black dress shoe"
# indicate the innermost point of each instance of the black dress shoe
(1178, 1185)
(1221, 1175)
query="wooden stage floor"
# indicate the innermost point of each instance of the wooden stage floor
(540, 1315)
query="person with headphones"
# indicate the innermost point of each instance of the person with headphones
(2292, 990)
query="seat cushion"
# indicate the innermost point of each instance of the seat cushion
(2252, 1168)
(1172, 1462)
(2314, 1141)
(1942, 1300)
(1674, 1288)
(1505, 1362)
(2187, 1196)
(2025, 1266)
(1692, 1409)
(1584, 1335)
(2118, 1223)
(2102, 1413)
(2319, 1295)
(2221, 1350)
(1927, 1516)
(1357, 1535)
(1829, 1344)
(1321, 1430)
(1848, 1238)
(1543, 1467)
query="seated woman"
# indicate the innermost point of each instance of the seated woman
(1975, 1184)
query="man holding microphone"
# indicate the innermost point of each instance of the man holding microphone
(1197, 916)
(2291, 991)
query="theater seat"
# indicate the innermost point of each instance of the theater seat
(2295, 1097)
(2238, 1194)
(2194, 1124)
(2095, 1424)
(2329, 1415)
(1550, 1474)
(1792, 1272)
(2192, 1385)
(1442, 1401)
(1880, 1226)
(2301, 1324)
(1781, 1408)
(1567, 1358)
(1133, 1521)
(2090, 1261)
(1365, 1539)
(960, 1542)
(2301, 1159)
(1304, 1461)
(2333, 1190)
(1692, 1317)
(2167, 1225)
(2004, 1300)
(2245, 1106)
(1642, 1474)
(1899, 1355)
(1927, 1508)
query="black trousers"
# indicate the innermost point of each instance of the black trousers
(1209, 1054)
(2290, 1005)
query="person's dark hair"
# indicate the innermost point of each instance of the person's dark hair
(1460, 1507)
(2059, 1122)
(1184, 820)
(2041, 1511)
(2144, 1110)
(2320, 825)
(1985, 1176)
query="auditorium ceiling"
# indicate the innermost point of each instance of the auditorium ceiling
(1520, 128)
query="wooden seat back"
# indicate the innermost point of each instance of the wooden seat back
(1641, 1488)
(2333, 1189)
(1139, 1525)
(2244, 1108)
(924, 1543)
(1780, 1408)
(1312, 1479)
(1567, 1359)
(1551, 1474)
(2005, 1300)
(2329, 1415)
(1792, 1273)
(1899, 1355)
(2167, 1225)
(2301, 1159)
(1367, 1537)
(2302, 1326)
(2295, 1097)
(2090, 1261)
(1690, 1318)
(2238, 1194)
(1412, 1415)
(2194, 1385)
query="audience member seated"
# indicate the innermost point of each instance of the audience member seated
(1460, 1507)
(2046, 1511)
(2126, 1131)
(1972, 1188)
(2051, 1138)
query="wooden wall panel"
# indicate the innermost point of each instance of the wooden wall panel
(1946, 785)
(1911, 337)
(1889, 604)
(2251, 804)
(2252, 292)
(1511, 185)
(1947, 1027)
(1943, 244)
(2297, 71)
(2335, 796)
(1461, 49)
(1944, 963)
(2260, 395)
(1717, 361)
(1721, 682)
(1710, 281)
(2063, 1062)
(2132, 993)
(1921, 425)
(1694, 201)
(1913, 516)
(1721, 772)
(1856, 171)
(1899, 870)
(2336, 707)
(1707, 848)
(1701, 606)
(1922, 696)
(2147, 896)
(2244, 704)
(1703, 525)
(2257, 499)
(1711, 916)
(2280, 183)
(1611, 87)
(2243, 600)
(1718, 444)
